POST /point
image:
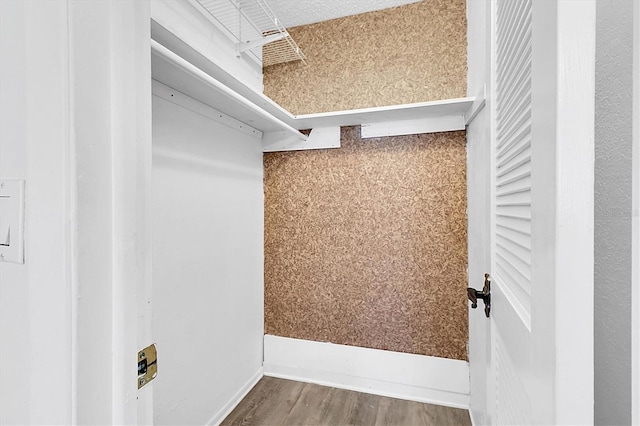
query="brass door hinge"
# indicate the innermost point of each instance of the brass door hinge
(147, 365)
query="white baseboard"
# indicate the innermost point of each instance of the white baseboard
(235, 400)
(472, 418)
(394, 374)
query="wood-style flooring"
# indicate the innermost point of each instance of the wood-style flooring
(284, 402)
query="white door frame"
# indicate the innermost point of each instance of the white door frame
(635, 282)
(563, 206)
(110, 117)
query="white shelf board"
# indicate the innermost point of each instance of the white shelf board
(422, 110)
(171, 57)
(174, 71)
(172, 42)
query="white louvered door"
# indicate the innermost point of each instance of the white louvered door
(531, 205)
(512, 226)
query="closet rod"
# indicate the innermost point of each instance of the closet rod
(185, 65)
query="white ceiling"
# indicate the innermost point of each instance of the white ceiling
(292, 13)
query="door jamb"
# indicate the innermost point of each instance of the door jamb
(635, 262)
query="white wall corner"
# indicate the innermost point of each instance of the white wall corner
(236, 399)
(393, 374)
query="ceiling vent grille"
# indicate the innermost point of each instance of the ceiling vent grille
(254, 28)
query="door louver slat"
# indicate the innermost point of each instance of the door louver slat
(513, 149)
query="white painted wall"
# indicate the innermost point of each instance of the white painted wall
(35, 298)
(207, 262)
(613, 211)
(479, 193)
(75, 124)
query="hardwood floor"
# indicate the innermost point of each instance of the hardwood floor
(284, 402)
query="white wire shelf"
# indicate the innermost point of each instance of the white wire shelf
(252, 25)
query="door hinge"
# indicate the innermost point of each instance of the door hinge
(485, 295)
(147, 365)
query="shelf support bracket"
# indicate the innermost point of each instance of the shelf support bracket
(319, 138)
(478, 103)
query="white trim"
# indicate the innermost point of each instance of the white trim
(635, 225)
(394, 374)
(236, 399)
(561, 375)
(491, 408)
(110, 136)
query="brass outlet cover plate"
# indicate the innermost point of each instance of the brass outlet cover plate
(147, 365)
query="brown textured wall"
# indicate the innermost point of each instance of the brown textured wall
(366, 245)
(407, 54)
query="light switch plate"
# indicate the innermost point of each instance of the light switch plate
(12, 221)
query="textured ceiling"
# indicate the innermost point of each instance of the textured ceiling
(302, 12)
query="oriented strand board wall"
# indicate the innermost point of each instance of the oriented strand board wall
(407, 54)
(366, 245)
